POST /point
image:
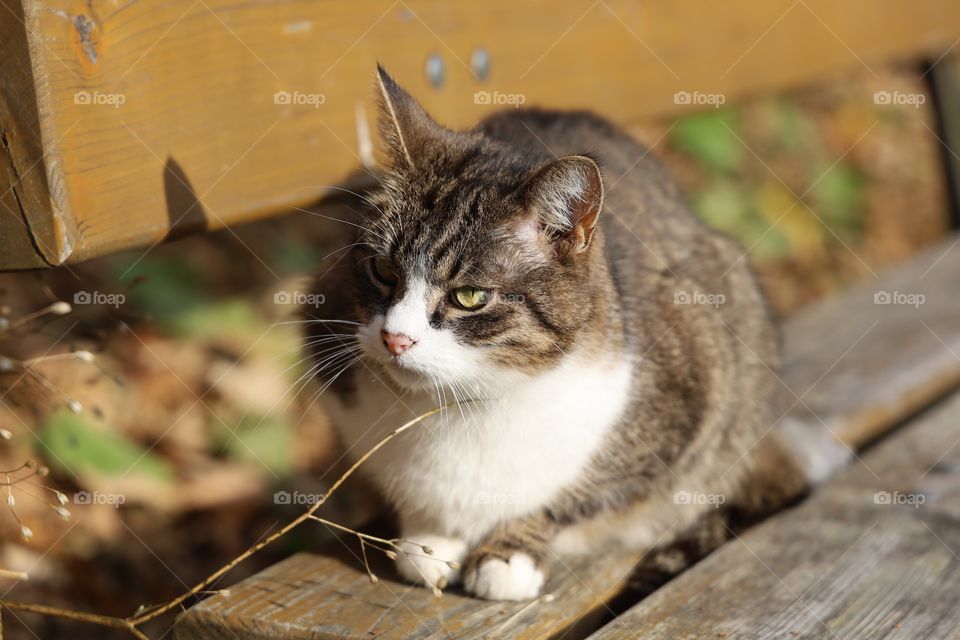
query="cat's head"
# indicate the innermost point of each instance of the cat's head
(475, 262)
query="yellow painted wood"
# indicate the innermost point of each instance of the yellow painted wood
(26, 225)
(156, 115)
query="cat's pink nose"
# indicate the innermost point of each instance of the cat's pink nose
(397, 343)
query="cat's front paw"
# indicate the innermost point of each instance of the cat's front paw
(493, 578)
(439, 568)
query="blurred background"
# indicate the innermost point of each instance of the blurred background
(191, 433)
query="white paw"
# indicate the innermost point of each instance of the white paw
(494, 579)
(432, 570)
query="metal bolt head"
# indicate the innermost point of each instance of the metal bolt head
(480, 63)
(436, 72)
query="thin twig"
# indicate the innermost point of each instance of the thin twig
(131, 623)
(288, 527)
(79, 616)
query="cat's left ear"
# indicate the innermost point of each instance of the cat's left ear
(405, 127)
(567, 196)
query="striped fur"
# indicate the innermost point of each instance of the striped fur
(625, 359)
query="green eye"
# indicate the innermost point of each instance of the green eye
(383, 270)
(469, 298)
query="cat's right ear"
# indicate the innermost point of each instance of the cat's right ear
(566, 197)
(406, 129)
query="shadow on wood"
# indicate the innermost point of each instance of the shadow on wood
(185, 212)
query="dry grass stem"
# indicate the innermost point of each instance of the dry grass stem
(142, 615)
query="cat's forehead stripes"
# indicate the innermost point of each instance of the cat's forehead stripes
(441, 241)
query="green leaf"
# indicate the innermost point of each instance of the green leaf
(795, 131)
(730, 207)
(77, 447)
(164, 286)
(711, 138)
(229, 317)
(296, 255)
(838, 197)
(722, 205)
(765, 242)
(267, 440)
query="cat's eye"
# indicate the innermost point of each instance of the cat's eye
(384, 271)
(469, 298)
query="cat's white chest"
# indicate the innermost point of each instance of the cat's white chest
(485, 462)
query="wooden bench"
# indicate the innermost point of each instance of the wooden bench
(873, 554)
(124, 123)
(855, 367)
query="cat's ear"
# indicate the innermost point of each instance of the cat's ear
(566, 196)
(404, 126)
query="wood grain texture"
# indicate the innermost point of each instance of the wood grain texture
(160, 117)
(859, 367)
(872, 554)
(325, 597)
(883, 350)
(26, 216)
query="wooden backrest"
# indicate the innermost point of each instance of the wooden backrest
(135, 120)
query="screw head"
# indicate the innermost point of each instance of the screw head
(480, 63)
(435, 70)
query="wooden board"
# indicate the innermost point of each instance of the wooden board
(883, 350)
(873, 554)
(155, 118)
(25, 220)
(325, 597)
(859, 368)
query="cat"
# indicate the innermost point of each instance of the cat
(614, 359)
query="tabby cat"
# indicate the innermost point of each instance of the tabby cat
(614, 358)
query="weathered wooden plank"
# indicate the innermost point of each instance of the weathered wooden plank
(26, 220)
(328, 596)
(872, 554)
(859, 366)
(882, 351)
(246, 108)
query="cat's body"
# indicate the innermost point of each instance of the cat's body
(622, 373)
